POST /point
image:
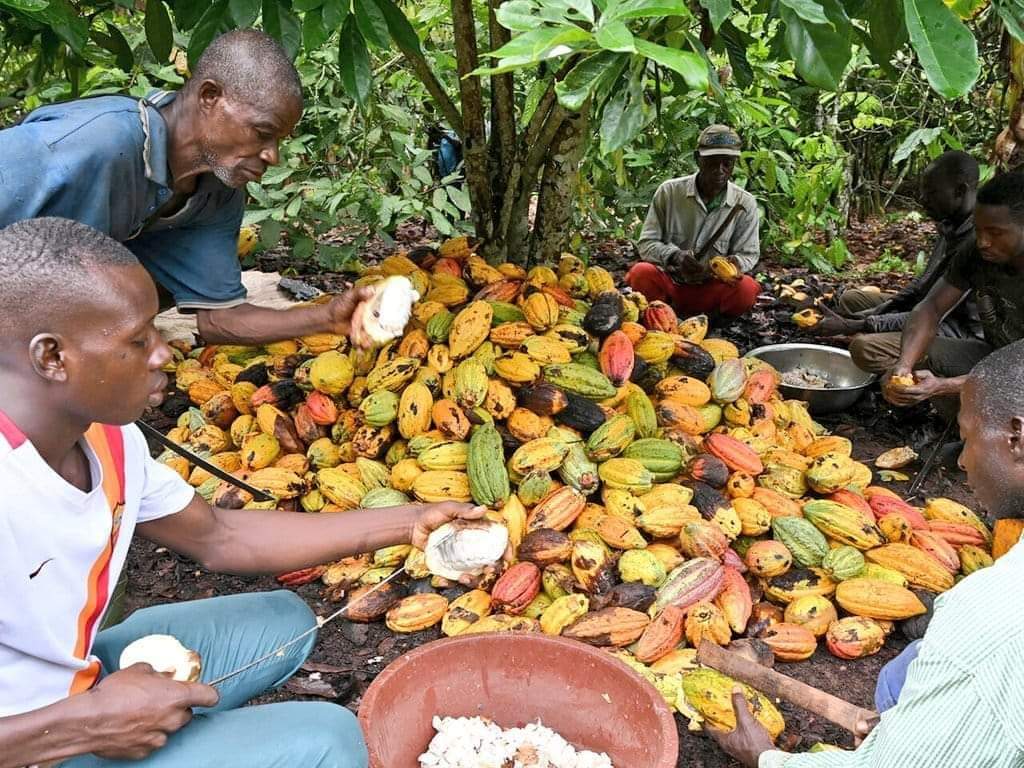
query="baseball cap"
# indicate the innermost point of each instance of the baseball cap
(718, 140)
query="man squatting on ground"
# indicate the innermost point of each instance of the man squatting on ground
(693, 219)
(949, 188)
(78, 352)
(993, 273)
(962, 702)
(166, 176)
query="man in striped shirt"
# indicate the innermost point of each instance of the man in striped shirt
(963, 700)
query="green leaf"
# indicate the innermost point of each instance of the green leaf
(946, 48)
(820, 53)
(692, 67)
(158, 30)
(270, 233)
(355, 63)
(615, 36)
(966, 9)
(283, 25)
(736, 43)
(25, 5)
(398, 25)
(517, 15)
(65, 22)
(1013, 17)
(301, 6)
(244, 12)
(117, 45)
(887, 32)
(206, 29)
(920, 137)
(645, 9)
(808, 10)
(188, 12)
(574, 90)
(459, 198)
(584, 8)
(621, 122)
(313, 32)
(335, 13)
(440, 198)
(372, 24)
(718, 11)
(533, 45)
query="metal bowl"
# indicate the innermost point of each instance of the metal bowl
(849, 381)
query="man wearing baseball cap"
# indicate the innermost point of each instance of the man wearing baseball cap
(693, 220)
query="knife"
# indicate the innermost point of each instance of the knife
(199, 461)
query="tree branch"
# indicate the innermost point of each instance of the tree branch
(502, 97)
(422, 70)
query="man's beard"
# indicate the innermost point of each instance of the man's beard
(209, 159)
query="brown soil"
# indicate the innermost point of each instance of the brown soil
(349, 656)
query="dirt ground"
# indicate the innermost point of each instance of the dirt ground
(349, 656)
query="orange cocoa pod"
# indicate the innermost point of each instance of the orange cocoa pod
(661, 635)
(737, 456)
(790, 642)
(515, 588)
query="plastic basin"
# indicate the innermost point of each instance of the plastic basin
(593, 700)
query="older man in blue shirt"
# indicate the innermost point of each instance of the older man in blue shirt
(166, 176)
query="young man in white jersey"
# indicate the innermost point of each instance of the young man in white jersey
(79, 356)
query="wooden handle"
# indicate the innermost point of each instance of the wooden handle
(778, 686)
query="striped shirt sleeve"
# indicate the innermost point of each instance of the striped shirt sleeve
(942, 719)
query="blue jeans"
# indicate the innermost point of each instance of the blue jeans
(892, 677)
(228, 632)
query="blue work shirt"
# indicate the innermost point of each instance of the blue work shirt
(103, 161)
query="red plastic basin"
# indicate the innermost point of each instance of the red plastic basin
(583, 693)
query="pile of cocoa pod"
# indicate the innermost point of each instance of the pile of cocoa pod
(657, 489)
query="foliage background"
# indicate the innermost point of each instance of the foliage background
(814, 155)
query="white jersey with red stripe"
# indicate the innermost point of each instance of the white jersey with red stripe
(61, 552)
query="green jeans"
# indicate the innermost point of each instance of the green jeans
(228, 632)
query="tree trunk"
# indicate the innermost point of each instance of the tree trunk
(474, 138)
(558, 187)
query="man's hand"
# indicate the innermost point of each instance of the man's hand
(834, 324)
(748, 739)
(684, 267)
(926, 386)
(340, 311)
(434, 516)
(136, 709)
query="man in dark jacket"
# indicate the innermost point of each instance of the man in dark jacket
(949, 186)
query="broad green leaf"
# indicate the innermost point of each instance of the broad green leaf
(615, 36)
(355, 63)
(459, 198)
(517, 15)
(66, 22)
(399, 26)
(25, 5)
(736, 42)
(808, 10)
(314, 34)
(645, 9)
(306, 5)
(621, 122)
(372, 24)
(244, 12)
(920, 137)
(207, 28)
(440, 198)
(820, 53)
(584, 8)
(887, 31)
(188, 12)
(535, 43)
(335, 12)
(692, 67)
(574, 90)
(158, 30)
(718, 11)
(945, 47)
(283, 25)
(118, 46)
(1012, 14)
